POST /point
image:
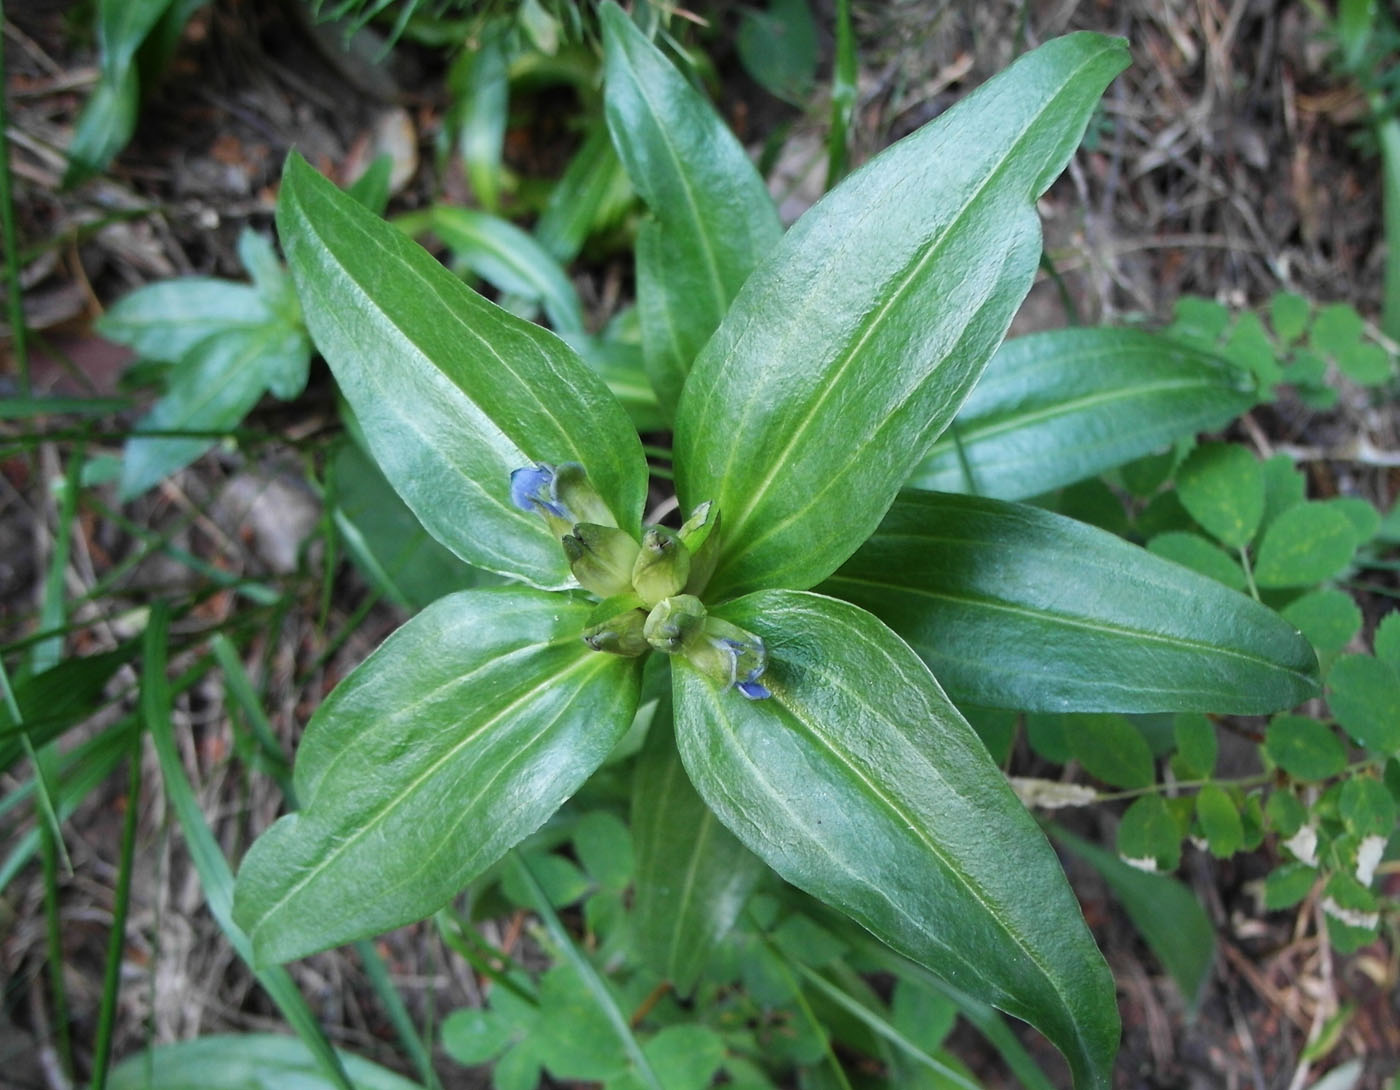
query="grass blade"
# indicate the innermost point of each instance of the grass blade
(111, 976)
(214, 875)
(843, 96)
(14, 293)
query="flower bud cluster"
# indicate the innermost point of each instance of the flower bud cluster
(648, 589)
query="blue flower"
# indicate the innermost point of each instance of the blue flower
(749, 656)
(533, 488)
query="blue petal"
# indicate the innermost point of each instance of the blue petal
(753, 690)
(532, 489)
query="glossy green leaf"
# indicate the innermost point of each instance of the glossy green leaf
(1220, 821)
(872, 320)
(1304, 748)
(1364, 695)
(1305, 544)
(452, 392)
(1053, 408)
(1015, 607)
(616, 354)
(713, 218)
(387, 542)
(693, 877)
(1222, 486)
(859, 782)
(510, 260)
(592, 195)
(1165, 912)
(243, 1061)
(456, 739)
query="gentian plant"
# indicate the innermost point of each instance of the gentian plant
(800, 604)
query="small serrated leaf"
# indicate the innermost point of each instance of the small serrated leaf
(1367, 808)
(1195, 552)
(1111, 749)
(1387, 640)
(1305, 544)
(1367, 364)
(1287, 885)
(1285, 813)
(1288, 313)
(1149, 836)
(1327, 617)
(1222, 486)
(1220, 821)
(1196, 745)
(1365, 697)
(1304, 748)
(1336, 329)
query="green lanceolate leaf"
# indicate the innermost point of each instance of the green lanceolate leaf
(1165, 912)
(592, 194)
(109, 117)
(213, 387)
(859, 782)
(851, 347)
(452, 392)
(244, 1061)
(457, 738)
(714, 218)
(1015, 607)
(692, 876)
(164, 320)
(1053, 408)
(511, 260)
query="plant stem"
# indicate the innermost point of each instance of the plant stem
(1248, 573)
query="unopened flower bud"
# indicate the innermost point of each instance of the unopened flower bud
(701, 540)
(726, 653)
(674, 622)
(601, 558)
(561, 494)
(662, 567)
(616, 626)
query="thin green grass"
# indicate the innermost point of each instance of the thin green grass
(116, 945)
(215, 876)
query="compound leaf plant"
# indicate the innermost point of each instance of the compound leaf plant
(817, 736)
